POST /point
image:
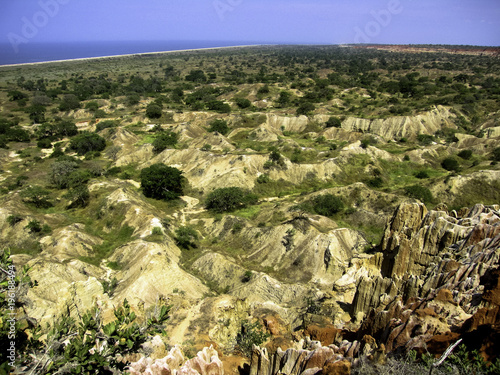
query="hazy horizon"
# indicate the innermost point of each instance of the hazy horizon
(26, 24)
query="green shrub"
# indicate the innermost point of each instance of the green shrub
(44, 143)
(153, 111)
(375, 182)
(263, 179)
(105, 125)
(229, 199)
(421, 175)
(186, 237)
(87, 142)
(451, 164)
(425, 139)
(243, 103)
(419, 192)
(250, 334)
(160, 181)
(465, 154)
(34, 226)
(495, 154)
(333, 122)
(219, 126)
(14, 219)
(327, 204)
(37, 196)
(165, 139)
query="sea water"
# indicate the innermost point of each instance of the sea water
(38, 52)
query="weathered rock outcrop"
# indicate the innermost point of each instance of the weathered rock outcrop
(440, 277)
(403, 126)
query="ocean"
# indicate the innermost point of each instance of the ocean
(39, 52)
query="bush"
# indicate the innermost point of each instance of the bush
(419, 192)
(425, 139)
(160, 181)
(69, 102)
(327, 204)
(465, 154)
(219, 106)
(14, 219)
(229, 199)
(263, 179)
(186, 237)
(87, 142)
(37, 196)
(165, 139)
(421, 175)
(104, 125)
(60, 172)
(305, 109)
(451, 164)
(243, 103)
(153, 111)
(333, 122)
(219, 126)
(79, 196)
(495, 154)
(44, 143)
(251, 334)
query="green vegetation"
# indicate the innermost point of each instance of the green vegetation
(219, 126)
(165, 139)
(186, 237)
(251, 334)
(229, 199)
(160, 181)
(87, 142)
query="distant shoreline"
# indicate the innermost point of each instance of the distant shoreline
(130, 54)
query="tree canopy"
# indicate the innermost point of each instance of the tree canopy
(162, 182)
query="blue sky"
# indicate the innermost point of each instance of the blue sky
(267, 21)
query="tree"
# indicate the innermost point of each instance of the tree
(419, 192)
(37, 196)
(495, 155)
(60, 172)
(327, 204)
(153, 111)
(333, 122)
(79, 196)
(196, 76)
(305, 108)
(450, 164)
(164, 140)
(243, 103)
(219, 126)
(69, 102)
(87, 142)
(186, 237)
(229, 199)
(160, 181)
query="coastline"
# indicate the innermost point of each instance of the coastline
(131, 54)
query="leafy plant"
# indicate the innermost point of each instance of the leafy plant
(186, 237)
(250, 334)
(419, 192)
(229, 199)
(219, 126)
(165, 139)
(327, 204)
(160, 181)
